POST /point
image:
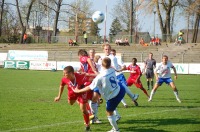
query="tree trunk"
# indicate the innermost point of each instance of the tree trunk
(56, 17)
(196, 27)
(1, 17)
(23, 28)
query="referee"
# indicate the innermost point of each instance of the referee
(149, 66)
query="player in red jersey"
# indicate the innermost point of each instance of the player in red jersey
(73, 80)
(135, 74)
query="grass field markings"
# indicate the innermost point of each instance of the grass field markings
(62, 123)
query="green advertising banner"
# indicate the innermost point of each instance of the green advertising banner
(22, 64)
(10, 64)
(16, 64)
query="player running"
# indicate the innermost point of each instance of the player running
(135, 74)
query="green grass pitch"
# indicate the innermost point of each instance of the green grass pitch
(26, 105)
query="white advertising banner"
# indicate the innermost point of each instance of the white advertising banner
(62, 64)
(27, 55)
(42, 65)
(194, 68)
(3, 57)
(181, 68)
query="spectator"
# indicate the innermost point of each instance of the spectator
(117, 41)
(152, 42)
(142, 42)
(157, 41)
(85, 36)
(126, 42)
(25, 38)
(180, 40)
(70, 41)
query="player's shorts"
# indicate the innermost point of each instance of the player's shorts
(122, 79)
(80, 97)
(131, 81)
(166, 80)
(149, 73)
(112, 104)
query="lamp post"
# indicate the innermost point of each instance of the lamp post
(105, 23)
(154, 23)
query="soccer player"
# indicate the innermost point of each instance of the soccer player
(135, 74)
(164, 75)
(115, 65)
(149, 66)
(74, 80)
(120, 75)
(96, 95)
(110, 89)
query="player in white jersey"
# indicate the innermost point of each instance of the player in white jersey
(115, 65)
(112, 90)
(120, 76)
(164, 75)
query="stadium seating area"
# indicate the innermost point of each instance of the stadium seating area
(186, 53)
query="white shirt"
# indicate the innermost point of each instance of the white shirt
(120, 65)
(107, 83)
(164, 71)
(113, 59)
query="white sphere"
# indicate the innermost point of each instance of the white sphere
(98, 17)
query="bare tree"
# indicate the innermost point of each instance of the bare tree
(1, 16)
(57, 11)
(24, 26)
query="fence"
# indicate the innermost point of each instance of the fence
(127, 56)
(95, 39)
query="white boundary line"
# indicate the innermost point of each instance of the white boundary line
(62, 123)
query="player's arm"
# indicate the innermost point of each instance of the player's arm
(76, 90)
(92, 66)
(175, 74)
(156, 74)
(145, 66)
(59, 93)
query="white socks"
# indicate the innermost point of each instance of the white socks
(113, 122)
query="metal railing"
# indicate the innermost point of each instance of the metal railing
(127, 56)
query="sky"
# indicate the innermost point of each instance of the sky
(146, 21)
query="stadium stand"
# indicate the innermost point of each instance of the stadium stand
(187, 53)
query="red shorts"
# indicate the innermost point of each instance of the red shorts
(131, 81)
(80, 97)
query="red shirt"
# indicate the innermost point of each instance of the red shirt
(134, 71)
(79, 80)
(84, 65)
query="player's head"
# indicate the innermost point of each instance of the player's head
(68, 72)
(106, 49)
(150, 55)
(92, 53)
(106, 62)
(113, 51)
(165, 59)
(134, 61)
(96, 58)
(82, 52)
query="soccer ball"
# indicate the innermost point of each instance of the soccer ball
(98, 17)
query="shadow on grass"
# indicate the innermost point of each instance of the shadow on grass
(151, 124)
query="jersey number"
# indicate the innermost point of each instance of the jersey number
(113, 82)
